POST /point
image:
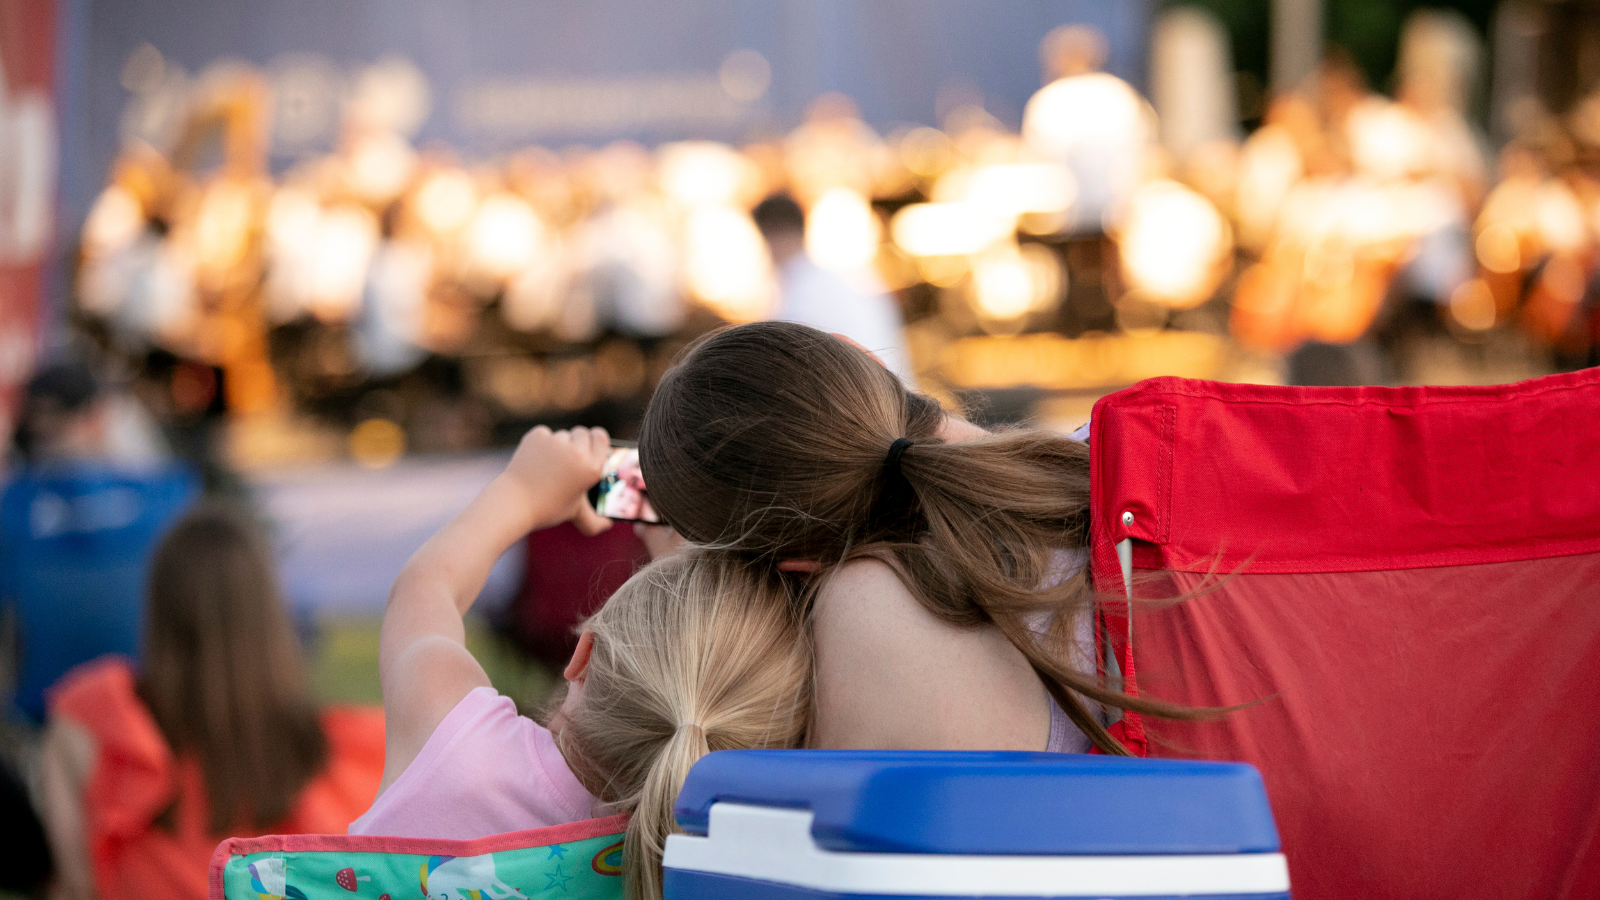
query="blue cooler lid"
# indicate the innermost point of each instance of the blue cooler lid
(1037, 804)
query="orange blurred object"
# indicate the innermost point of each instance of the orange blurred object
(145, 809)
(1548, 312)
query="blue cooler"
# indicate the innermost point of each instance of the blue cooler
(813, 824)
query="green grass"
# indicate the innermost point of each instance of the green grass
(344, 664)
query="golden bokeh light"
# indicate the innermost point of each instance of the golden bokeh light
(1174, 245)
(446, 201)
(114, 221)
(1010, 282)
(726, 264)
(1472, 306)
(1002, 285)
(377, 443)
(1094, 109)
(504, 236)
(291, 216)
(948, 229)
(842, 232)
(1388, 141)
(926, 152)
(381, 165)
(345, 239)
(697, 173)
(1558, 216)
(223, 225)
(1015, 189)
(943, 271)
(1497, 249)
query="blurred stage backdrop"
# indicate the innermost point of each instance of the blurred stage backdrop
(347, 234)
(498, 76)
(319, 208)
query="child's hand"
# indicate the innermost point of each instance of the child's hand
(553, 471)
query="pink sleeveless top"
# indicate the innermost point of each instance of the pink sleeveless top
(485, 770)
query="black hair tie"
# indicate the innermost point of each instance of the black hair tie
(895, 511)
(891, 463)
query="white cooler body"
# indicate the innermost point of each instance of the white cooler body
(763, 853)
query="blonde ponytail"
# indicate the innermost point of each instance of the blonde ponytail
(652, 817)
(698, 652)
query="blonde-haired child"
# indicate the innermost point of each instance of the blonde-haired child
(697, 652)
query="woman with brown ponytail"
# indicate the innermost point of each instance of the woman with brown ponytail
(949, 612)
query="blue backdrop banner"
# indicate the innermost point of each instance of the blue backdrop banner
(487, 76)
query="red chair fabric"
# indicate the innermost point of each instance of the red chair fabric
(1406, 586)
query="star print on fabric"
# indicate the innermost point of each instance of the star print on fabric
(557, 852)
(558, 880)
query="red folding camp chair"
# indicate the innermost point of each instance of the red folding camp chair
(1407, 585)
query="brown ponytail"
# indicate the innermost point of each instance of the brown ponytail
(993, 516)
(697, 652)
(770, 441)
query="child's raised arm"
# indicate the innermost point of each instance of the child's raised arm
(423, 661)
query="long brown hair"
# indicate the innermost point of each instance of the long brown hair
(771, 439)
(697, 652)
(222, 671)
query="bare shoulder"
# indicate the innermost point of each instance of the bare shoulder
(866, 612)
(867, 592)
(869, 627)
(890, 674)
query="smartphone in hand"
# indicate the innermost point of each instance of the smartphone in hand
(620, 495)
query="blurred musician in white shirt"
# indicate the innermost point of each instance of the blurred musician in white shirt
(811, 295)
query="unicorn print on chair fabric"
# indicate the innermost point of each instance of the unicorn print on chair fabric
(464, 878)
(270, 879)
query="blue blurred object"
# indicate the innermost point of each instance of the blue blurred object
(832, 824)
(75, 546)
